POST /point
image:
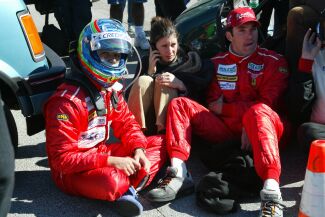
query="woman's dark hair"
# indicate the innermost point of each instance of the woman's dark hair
(160, 28)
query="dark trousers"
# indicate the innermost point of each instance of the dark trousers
(7, 165)
(169, 8)
(73, 16)
(308, 132)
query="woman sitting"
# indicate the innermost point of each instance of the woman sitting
(167, 72)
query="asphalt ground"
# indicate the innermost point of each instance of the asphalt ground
(36, 195)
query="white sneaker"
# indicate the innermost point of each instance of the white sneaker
(141, 41)
(271, 205)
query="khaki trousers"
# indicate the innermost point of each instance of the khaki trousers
(148, 102)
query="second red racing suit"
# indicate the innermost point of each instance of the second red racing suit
(250, 88)
(76, 144)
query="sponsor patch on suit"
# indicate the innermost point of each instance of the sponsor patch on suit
(227, 69)
(227, 78)
(227, 85)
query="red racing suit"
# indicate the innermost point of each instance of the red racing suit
(250, 88)
(76, 144)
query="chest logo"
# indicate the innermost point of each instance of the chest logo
(227, 69)
(227, 85)
(255, 67)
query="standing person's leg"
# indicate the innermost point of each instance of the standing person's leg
(7, 165)
(63, 15)
(130, 19)
(308, 132)
(81, 16)
(171, 8)
(264, 129)
(116, 9)
(138, 18)
(158, 9)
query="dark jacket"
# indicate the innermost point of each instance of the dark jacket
(196, 81)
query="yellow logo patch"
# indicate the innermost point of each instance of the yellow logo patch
(227, 78)
(62, 117)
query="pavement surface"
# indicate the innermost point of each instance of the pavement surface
(36, 195)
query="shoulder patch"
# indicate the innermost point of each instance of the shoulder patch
(283, 69)
(62, 117)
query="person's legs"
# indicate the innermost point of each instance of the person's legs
(141, 100)
(116, 9)
(308, 132)
(81, 16)
(162, 97)
(63, 15)
(185, 116)
(264, 130)
(178, 6)
(138, 19)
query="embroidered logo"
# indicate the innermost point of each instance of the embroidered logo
(62, 117)
(227, 85)
(227, 78)
(255, 67)
(227, 69)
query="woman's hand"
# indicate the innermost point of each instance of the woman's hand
(127, 164)
(310, 47)
(169, 80)
(140, 157)
(154, 56)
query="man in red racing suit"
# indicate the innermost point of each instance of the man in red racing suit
(242, 102)
(81, 161)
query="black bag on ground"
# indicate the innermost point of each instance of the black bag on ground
(219, 191)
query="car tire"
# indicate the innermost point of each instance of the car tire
(12, 127)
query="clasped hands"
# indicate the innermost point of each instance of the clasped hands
(131, 165)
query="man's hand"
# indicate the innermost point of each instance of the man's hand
(216, 106)
(128, 165)
(140, 157)
(170, 80)
(245, 144)
(310, 47)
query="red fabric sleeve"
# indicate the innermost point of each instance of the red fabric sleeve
(305, 65)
